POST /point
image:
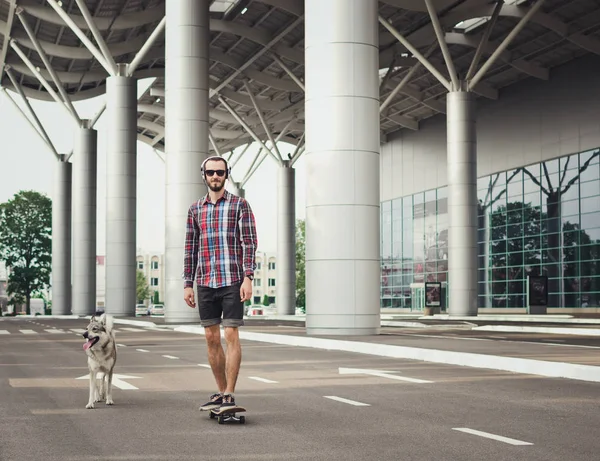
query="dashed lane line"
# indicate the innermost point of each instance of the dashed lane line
(491, 436)
(349, 402)
(263, 380)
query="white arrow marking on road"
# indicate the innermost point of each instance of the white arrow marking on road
(381, 374)
(117, 380)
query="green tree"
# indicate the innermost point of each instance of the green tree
(266, 301)
(142, 289)
(300, 264)
(26, 243)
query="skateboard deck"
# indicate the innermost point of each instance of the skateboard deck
(228, 415)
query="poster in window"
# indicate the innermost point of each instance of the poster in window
(433, 294)
(538, 290)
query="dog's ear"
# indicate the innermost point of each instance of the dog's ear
(93, 319)
(108, 322)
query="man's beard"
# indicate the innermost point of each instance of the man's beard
(216, 187)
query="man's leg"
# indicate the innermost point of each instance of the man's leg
(216, 355)
(209, 308)
(233, 318)
(234, 358)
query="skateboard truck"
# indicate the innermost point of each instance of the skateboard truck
(229, 416)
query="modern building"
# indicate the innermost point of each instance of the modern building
(538, 197)
(265, 278)
(3, 284)
(444, 140)
(151, 264)
(153, 268)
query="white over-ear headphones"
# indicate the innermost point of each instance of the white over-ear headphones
(216, 157)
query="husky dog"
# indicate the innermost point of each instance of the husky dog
(101, 350)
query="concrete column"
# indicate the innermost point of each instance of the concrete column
(186, 127)
(342, 161)
(61, 238)
(121, 181)
(462, 203)
(286, 241)
(85, 163)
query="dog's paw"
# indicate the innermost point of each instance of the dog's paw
(110, 402)
(90, 406)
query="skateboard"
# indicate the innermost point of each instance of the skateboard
(228, 415)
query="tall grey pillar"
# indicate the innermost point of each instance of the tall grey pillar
(286, 241)
(342, 162)
(61, 238)
(121, 165)
(186, 127)
(85, 163)
(462, 203)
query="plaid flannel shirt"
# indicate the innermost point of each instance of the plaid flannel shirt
(220, 242)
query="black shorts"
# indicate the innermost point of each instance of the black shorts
(216, 302)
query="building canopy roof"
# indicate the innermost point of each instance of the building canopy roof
(257, 55)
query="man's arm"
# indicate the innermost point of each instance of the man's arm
(248, 237)
(190, 256)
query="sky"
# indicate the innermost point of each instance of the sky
(27, 164)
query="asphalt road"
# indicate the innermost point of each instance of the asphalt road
(302, 403)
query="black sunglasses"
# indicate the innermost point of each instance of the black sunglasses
(219, 173)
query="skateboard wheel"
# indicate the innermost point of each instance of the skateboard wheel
(242, 420)
(212, 415)
(221, 420)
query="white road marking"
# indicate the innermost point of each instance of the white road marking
(77, 330)
(29, 332)
(491, 436)
(263, 380)
(381, 374)
(117, 380)
(121, 345)
(4, 332)
(131, 329)
(350, 402)
(142, 350)
(53, 330)
(171, 357)
(203, 365)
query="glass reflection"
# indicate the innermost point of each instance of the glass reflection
(539, 219)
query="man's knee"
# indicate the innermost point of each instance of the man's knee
(232, 334)
(213, 335)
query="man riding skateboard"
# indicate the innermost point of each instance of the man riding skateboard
(220, 256)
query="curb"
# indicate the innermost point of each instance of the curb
(551, 330)
(467, 359)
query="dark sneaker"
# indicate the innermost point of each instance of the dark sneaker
(228, 402)
(214, 401)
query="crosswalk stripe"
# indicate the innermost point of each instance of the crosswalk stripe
(77, 330)
(29, 332)
(4, 332)
(131, 329)
(54, 330)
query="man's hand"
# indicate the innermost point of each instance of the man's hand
(246, 289)
(188, 296)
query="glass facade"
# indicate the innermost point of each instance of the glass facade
(542, 219)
